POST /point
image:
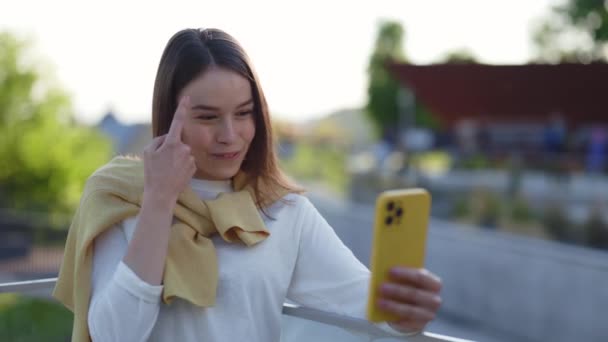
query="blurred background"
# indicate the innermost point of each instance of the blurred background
(498, 108)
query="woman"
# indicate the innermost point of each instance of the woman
(147, 260)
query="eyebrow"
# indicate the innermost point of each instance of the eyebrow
(212, 108)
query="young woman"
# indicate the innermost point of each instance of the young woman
(205, 238)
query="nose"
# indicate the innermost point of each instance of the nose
(226, 133)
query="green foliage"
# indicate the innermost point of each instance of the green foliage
(25, 319)
(322, 163)
(45, 155)
(490, 210)
(596, 231)
(575, 31)
(520, 211)
(492, 207)
(481, 207)
(557, 223)
(461, 208)
(460, 56)
(383, 89)
(475, 162)
(516, 215)
(590, 15)
(425, 117)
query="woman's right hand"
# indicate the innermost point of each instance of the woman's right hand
(168, 162)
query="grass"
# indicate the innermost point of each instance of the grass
(26, 319)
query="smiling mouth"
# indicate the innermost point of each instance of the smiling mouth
(226, 156)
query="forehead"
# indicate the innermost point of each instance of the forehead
(218, 87)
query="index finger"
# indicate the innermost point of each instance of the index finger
(175, 131)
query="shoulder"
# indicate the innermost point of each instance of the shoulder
(302, 210)
(292, 206)
(116, 173)
(296, 202)
(123, 167)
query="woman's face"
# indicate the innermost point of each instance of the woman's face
(220, 124)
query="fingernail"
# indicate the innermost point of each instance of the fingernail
(382, 303)
(397, 271)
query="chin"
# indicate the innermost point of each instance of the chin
(226, 174)
(220, 172)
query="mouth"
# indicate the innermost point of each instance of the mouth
(226, 156)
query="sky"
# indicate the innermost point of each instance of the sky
(311, 56)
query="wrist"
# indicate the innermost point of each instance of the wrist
(158, 201)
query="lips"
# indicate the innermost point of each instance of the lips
(229, 155)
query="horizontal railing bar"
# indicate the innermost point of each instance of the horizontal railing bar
(28, 286)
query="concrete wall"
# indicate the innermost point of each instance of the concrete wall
(538, 290)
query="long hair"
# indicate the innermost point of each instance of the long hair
(187, 55)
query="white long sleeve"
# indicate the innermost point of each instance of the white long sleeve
(118, 293)
(327, 275)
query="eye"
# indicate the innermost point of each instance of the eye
(206, 117)
(245, 113)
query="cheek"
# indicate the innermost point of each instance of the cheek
(196, 138)
(249, 131)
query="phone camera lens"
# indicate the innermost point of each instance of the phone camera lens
(389, 221)
(390, 206)
(399, 212)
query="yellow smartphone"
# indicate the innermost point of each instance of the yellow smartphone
(400, 231)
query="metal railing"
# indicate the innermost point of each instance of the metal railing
(45, 286)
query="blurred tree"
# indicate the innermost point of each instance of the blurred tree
(384, 94)
(460, 56)
(383, 90)
(45, 155)
(575, 31)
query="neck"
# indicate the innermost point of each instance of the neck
(209, 185)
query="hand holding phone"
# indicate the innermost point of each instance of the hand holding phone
(401, 291)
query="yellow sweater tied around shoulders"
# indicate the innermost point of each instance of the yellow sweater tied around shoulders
(114, 193)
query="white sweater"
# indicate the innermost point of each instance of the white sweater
(302, 260)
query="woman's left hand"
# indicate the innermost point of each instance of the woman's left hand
(413, 295)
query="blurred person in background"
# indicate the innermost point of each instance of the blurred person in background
(596, 150)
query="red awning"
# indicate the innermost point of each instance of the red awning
(493, 93)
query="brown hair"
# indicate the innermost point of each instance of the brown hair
(188, 54)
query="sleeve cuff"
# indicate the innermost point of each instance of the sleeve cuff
(129, 281)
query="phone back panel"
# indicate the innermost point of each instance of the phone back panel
(400, 230)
